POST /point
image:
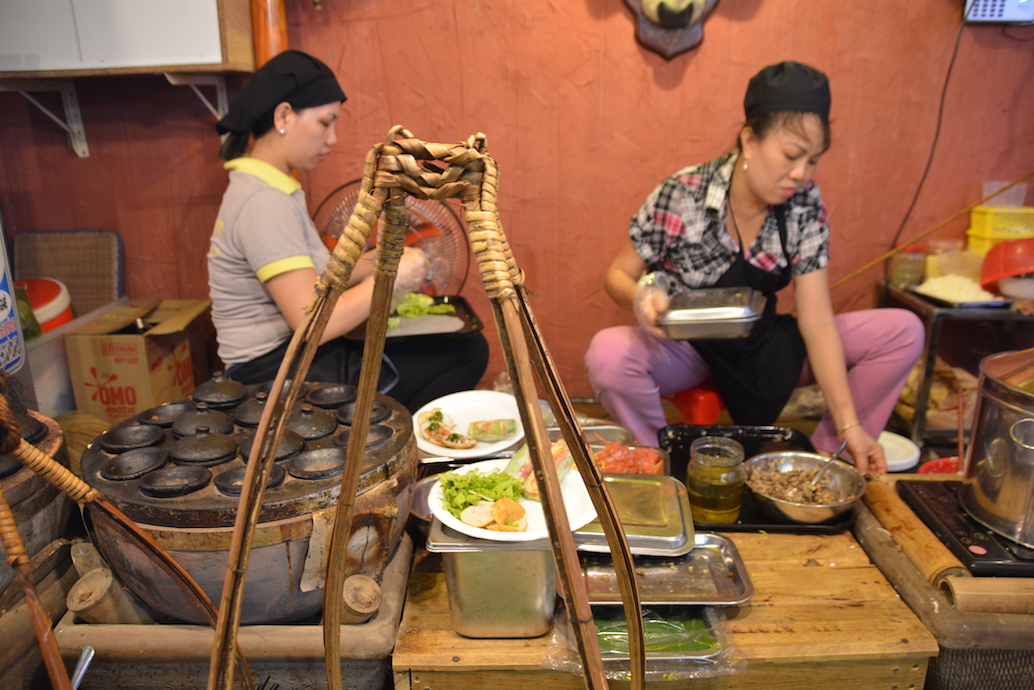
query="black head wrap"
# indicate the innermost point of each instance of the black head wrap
(788, 87)
(292, 76)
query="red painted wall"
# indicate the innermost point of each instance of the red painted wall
(583, 120)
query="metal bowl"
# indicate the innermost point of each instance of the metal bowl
(841, 479)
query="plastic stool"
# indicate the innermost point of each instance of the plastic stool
(699, 405)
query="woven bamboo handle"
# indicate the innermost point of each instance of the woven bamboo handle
(390, 244)
(55, 473)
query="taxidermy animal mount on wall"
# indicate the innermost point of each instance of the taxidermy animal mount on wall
(670, 27)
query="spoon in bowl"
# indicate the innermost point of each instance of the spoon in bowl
(832, 459)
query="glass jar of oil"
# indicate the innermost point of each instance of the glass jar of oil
(715, 480)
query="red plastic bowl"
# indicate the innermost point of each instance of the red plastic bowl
(1007, 259)
(940, 466)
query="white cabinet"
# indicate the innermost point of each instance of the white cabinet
(41, 38)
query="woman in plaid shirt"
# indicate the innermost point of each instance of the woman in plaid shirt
(753, 217)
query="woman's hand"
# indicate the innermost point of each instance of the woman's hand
(1025, 307)
(649, 300)
(412, 269)
(866, 452)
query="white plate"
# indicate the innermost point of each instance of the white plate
(900, 452)
(466, 407)
(580, 510)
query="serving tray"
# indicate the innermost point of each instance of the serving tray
(654, 510)
(677, 438)
(996, 302)
(711, 574)
(471, 324)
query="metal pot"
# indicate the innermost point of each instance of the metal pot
(998, 489)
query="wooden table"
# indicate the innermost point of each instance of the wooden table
(822, 616)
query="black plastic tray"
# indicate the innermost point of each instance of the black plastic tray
(676, 439)
(471, 324)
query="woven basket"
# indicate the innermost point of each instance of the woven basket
(88, 262)
(981, 669)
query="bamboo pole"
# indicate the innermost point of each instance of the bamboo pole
(955, 216)
(390, 243)
(494, 254)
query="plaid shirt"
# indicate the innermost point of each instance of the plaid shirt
(680, 228)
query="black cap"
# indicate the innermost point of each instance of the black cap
(788, 87)
(292, 77)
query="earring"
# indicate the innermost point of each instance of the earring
(283, 131)
(744, 160)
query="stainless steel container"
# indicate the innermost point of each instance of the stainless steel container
(712, 313)
(998, 489)
(496, 589)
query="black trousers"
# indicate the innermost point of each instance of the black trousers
(414, 372)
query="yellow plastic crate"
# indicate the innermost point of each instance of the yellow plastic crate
(1001, 222)
(981, 242)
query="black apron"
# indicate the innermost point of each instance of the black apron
(756, 375)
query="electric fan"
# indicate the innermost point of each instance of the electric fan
(434, 227)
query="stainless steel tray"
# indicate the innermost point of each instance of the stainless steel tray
(654, 510)
(598, 434)
(712, 574)
(713, 313)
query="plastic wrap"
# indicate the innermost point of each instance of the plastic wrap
(682, 643)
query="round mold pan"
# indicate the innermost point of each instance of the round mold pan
(290, 445)
(203, 449)
(9, 465)
(33, 430)
(220, 393)
(268, 386)
(376, 436)
(249, 412)
(165, 415)
(202, 417)
(170, 482)
(318, 463)
(231, 482)
(311, 422)
(332, 396)
(134, 464)
(122, 438)
(380, 412)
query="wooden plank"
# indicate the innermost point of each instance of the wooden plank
(861, 675)
(765, 549)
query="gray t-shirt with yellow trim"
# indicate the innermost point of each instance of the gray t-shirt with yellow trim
(263, 229)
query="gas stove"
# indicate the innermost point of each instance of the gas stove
(982, 551)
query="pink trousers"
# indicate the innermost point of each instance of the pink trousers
(630, 370)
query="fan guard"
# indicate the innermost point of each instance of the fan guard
(434, 227)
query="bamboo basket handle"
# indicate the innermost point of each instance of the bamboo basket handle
(396, 168)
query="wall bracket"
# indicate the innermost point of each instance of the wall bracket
(195, 80)
(73, 122)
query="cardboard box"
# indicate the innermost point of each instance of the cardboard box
(140, 354)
